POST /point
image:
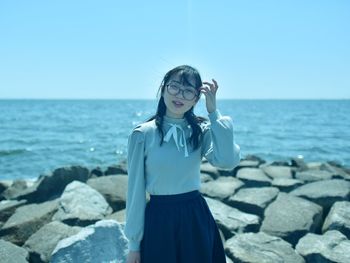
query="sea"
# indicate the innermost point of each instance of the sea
(40, 135)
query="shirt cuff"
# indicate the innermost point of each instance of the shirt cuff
(213, 116)
(134, 246)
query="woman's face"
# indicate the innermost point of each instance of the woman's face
(176, 104)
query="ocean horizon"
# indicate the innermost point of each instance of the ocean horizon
(40, 135)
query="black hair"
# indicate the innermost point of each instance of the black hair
(186, 74)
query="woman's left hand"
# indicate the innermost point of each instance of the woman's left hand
(210, 94)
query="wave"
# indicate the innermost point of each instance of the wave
(13, 152)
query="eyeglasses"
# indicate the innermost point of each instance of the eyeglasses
(187, 94)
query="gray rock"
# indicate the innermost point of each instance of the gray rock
(221, 188)
(15, 189)
(325, 193)
(116, 169)
(338, 218)
(291, 217)
(207, 168)
(313, 175)
(118, 216)
(113, 188)
(10, 253)
(253, 177)
(299, 162)
(277, 171)
(248, 164)
(81, 205)
(8, 207)
(330, 247)
(102, 242)
(231, 220)
(260, 248)
(206, 178)
(41, 244)
(253, 200)
(286, 184)
(27, 220)
(51, 186)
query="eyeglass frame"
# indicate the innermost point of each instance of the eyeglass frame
(182, 91)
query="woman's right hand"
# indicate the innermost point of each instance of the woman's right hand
(134, 257)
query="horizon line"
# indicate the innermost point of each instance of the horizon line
(157, 99)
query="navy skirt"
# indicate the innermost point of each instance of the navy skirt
(180, 229)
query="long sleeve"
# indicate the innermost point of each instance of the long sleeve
(219, 146)
(136, 194)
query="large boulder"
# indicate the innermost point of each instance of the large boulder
(231, 220)
(51, 186)
(325, 193)
(81, 205)
(104, 241)
(253, 200)
(221, 188)
(41, 244)
(291, 217)
(27, 220)
(10, 253)
(338, 218)
(113, 188)
(330, 247)
(261, 248)
(253, 177)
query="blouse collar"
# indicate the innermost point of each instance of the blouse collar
(177, 132)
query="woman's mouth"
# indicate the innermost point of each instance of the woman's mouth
(177, 104)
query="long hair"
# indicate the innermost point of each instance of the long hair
(186, 73)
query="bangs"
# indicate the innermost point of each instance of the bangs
(190, 77)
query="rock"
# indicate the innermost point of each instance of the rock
(231, 220)
(291, 217)
(41, 244)
(253, 200)
(96, 172)
(118, 216)
(325, 193)
(332, 246)
(207, 168)
(313, 175)
(299, 162)
(104, 241)
(277, 171)
(251, 157)
(338, 218)
(27, 220)
(259, 248)
(286, 184)
(15, 189)
(8, 207)
(337, 170)
(81, 205)
(113, 188)
(51, 186)
(249, 164)
(206, 178)
(116, 169)
(253, 177)
(10, 253)
(221, 188)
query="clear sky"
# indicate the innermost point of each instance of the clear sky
(261, 49)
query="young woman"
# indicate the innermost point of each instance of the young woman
(164, 157)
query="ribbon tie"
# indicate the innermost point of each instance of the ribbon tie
(172, 132)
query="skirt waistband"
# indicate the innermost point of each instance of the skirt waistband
(175, 197)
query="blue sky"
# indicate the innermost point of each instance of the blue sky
(122, 49)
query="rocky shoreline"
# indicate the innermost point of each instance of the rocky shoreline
(266, 212)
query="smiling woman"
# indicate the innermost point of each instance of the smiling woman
(176, 225)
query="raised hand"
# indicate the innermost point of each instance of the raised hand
(209, 91)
